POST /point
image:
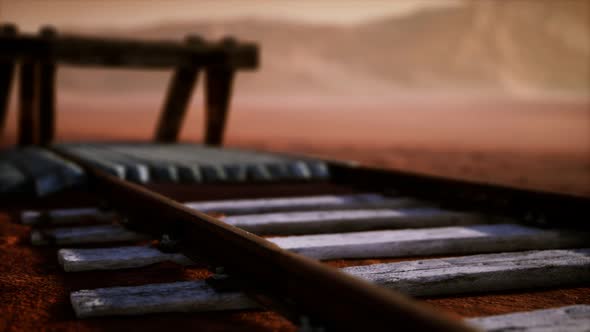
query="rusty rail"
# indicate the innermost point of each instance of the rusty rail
(544, 209)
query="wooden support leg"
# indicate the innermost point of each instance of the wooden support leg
(218, 92)
(6, 74)
(6, 77)
(27, 104)
(46, 102)
(178, 97)
(46, 80)
(179, 94)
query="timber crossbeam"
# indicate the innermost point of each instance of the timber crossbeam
(111, 52)
(39, 56)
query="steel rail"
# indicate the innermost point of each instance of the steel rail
(532, 206)
(529, 206)
(301, 285)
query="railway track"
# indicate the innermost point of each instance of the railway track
(371, 224)
(175, 236)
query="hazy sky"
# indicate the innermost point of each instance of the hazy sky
(30, 14)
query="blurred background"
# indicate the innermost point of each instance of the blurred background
(493, 91)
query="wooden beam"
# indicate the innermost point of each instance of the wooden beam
(177, 100)
(253, 207)
(27, 104)
(67, 216)
(570, 318)
(85, 234)
(75, 260)
(47, 70)
(6, 77)
(218, 89)
(452, 240)
(176, 104)
(108, 52)
(425, 277)
(189, 296)
(481, 273)
(218, 94)
(41, 54)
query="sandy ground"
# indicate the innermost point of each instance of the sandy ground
(523, 142)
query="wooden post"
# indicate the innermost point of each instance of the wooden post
(218, 89)
(27, 103)
(6, 76)
(177, 100)
(46, 80)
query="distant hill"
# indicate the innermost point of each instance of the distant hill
(505, 47)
